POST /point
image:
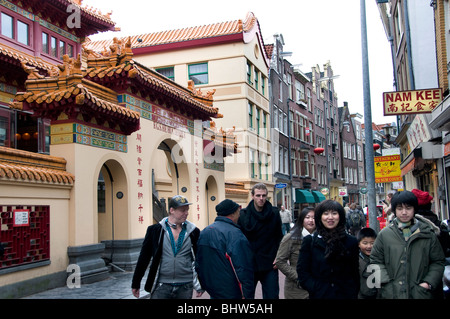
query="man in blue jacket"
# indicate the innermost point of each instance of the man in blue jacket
(224, 260)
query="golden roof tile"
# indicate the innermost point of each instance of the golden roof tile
(19, 165)
(21, 57)
(20, 172)
(71, 84)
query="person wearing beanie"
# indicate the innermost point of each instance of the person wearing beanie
(425, 201)
(224, 262)
(407, 255)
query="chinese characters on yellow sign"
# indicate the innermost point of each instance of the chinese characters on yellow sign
(411, 102)
(387, 169)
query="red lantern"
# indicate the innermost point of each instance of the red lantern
(319, 150)
(376, 146)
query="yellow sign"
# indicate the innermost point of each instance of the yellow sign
(387, 169)
(411, 102)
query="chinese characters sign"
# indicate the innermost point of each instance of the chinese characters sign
(140, 182)
(21, 217)
(387, 169)
(411, 102)
(418, 131)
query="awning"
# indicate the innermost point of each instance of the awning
(318, 196)
(303, 196)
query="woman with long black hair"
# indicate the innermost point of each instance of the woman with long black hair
(287, 255)
(328, 265)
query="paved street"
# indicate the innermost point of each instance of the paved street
(117, 286)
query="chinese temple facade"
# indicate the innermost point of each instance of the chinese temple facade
(229, 58)
(93, 145)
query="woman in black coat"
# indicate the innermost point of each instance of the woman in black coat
(328, 265)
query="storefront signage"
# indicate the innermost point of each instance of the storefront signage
(418, 131)
(343, 191)
(411, 102)
(21, 217)
(325, 191)
(447, 149)
(387, 169)
(280, 185)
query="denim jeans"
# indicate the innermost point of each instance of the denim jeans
(169, 291)
(269, 283)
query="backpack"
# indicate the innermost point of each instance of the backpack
(354, 219)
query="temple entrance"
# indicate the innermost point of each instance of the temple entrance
(112, 202)
(169, 176)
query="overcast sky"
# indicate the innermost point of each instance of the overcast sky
(315, 31)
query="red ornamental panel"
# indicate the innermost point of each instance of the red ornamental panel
(25, 234)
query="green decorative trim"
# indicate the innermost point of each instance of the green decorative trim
(86, 135)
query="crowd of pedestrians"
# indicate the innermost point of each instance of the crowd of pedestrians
(329, 253)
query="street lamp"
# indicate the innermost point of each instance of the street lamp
(370, 162)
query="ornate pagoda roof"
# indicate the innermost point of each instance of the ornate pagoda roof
(114, 66)
(16, 57)
(65, 91)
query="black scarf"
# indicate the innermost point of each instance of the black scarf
(249, 221)
(334, 241)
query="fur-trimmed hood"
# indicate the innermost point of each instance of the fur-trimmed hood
(425, 220)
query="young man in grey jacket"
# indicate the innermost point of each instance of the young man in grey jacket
(169, 247)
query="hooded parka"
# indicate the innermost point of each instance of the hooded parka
(405, 264)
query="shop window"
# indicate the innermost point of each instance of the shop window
(53, 49)
(69, 50)
(198, 73)
(62, 49)
(15, 29)
(7, 25)
(6, 127)
(56, 47)
(23, 131)
(45, 42)
(23, 33)
(167, 72)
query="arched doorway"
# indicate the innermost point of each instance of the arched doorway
(211, 198)
(169, 176)
(112, 202)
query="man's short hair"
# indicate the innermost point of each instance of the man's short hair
(259, 186)
(404, 197)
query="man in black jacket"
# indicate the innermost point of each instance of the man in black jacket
(261, 224)
(224, 260)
